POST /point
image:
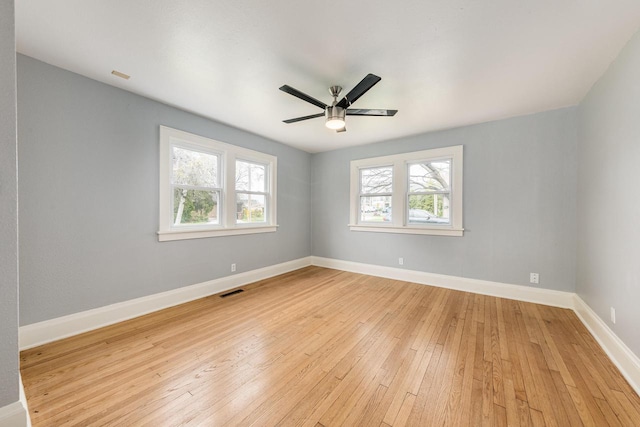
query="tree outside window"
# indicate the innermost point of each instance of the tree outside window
(195, 186)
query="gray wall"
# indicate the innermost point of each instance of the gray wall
(8, 209)
(608, 273)
(89, 198)
(519, 204)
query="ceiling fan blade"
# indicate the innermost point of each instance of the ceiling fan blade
(295, 92)
(361, 88)
(299, 119)
(370, 112)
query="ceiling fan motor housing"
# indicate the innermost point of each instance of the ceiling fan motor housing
(334, 114)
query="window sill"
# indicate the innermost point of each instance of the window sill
(440, 231)
(167, 236)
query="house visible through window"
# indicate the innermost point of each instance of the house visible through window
(376, 186)
(418, 193)
(209, 188)
(429, 192)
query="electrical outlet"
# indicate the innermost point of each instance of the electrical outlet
(613, 315)
(534, 278)
(233, 267)
(401, 261)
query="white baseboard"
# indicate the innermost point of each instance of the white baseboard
(62, 327)
(484, 287)
(23, 400)
(621, 356)
(14, 415)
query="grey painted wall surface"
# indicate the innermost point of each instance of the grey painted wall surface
(519, 204)
(89, 198)
(608, 249)
(8, 209)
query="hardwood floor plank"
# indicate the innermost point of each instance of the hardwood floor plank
(405, 410)
(608, 413)
(460, 409)
(568, 401)
(439, 391)
(496, 357)
(476, 404)
(487, 395)
(510, 398)
(524, 414)
(628, 405)
(511, 310)
(322, 347)
(500, 416)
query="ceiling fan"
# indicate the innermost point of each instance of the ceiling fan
(335, 113)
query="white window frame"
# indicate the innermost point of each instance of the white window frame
(228, 154)
(258, 193)
(361, 195)
(399, 197)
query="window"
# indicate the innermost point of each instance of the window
(209, 188)
(376, 186)
(251, 192)
(417, 193)
(429, 193)
(195, 186)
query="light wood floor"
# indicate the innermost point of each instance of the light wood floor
(320, 347)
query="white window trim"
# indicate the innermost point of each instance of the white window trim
(228, 154)
(400, 164)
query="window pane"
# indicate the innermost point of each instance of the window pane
(376, 180)
(195, 207)
(242, 176)
(429, 209)
(257, 178)
(250, 176)
(194, 167)
(375, 208)
(430, 176)
(250, 208)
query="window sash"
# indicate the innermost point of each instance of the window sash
(360, 183)
(266, 208)
(423, 193)
(265, 194)
(362, 194)
(267, 174)
(218, 189)
(219, 209)
(426, 224)
(195, 187)
(198, 149)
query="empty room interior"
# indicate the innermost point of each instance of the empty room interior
(319, 214)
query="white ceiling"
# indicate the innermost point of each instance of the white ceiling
(443, 63)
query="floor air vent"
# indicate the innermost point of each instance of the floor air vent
(237, 291)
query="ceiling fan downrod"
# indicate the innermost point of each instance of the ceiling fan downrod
(334, 115)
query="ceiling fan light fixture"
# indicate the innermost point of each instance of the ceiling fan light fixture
(335, 117)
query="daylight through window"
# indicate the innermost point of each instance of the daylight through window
(209, 188)
(251, 194)
(196, 189)
(418, 193)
